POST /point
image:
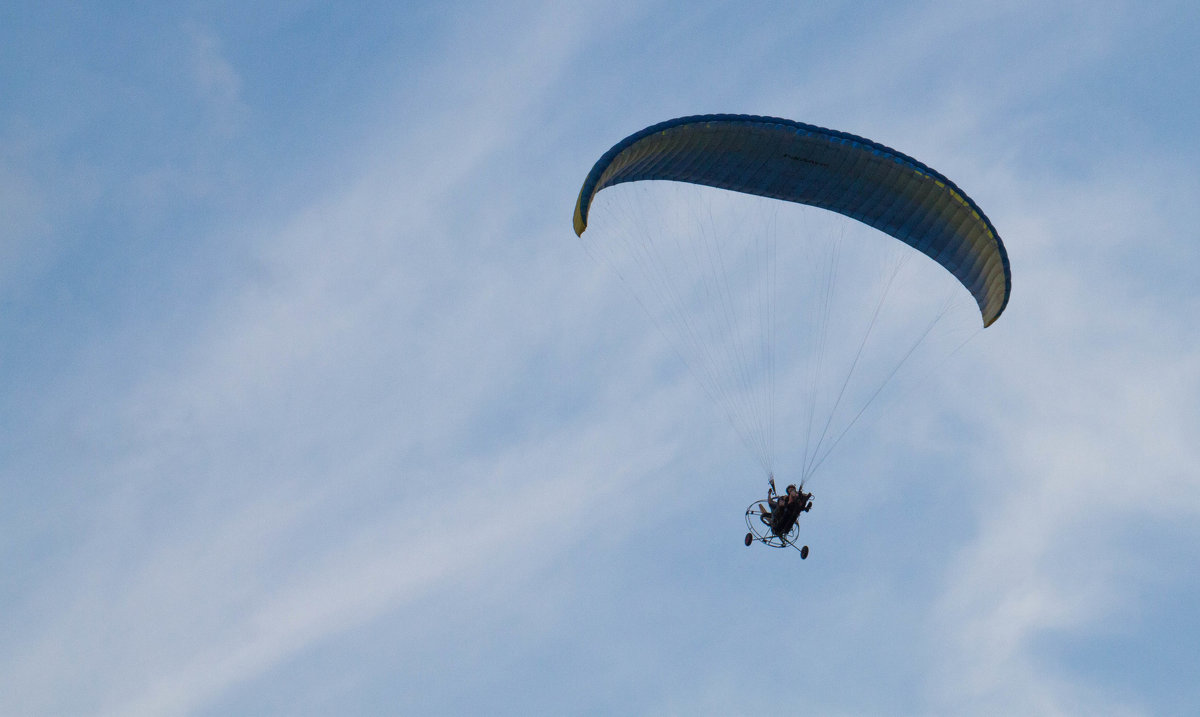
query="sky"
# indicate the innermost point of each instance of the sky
(312, 403)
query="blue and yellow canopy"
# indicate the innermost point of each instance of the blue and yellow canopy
(796, 162)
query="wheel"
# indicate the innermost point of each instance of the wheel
(804, 553)
(749, 539)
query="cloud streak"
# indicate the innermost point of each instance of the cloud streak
(209, 500)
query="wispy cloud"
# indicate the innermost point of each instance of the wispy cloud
(1094, 446)
(408, 342)
(216, 80)
(337, 371)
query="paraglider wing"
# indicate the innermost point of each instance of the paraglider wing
(796, 162)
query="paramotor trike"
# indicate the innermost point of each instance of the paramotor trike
(758, 523)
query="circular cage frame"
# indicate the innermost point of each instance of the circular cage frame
(760, 530)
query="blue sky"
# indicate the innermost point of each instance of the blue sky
(289, 289)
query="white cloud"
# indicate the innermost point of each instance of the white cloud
(282, 472)
(215, 79)
(320, 382)
(1094, 441)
